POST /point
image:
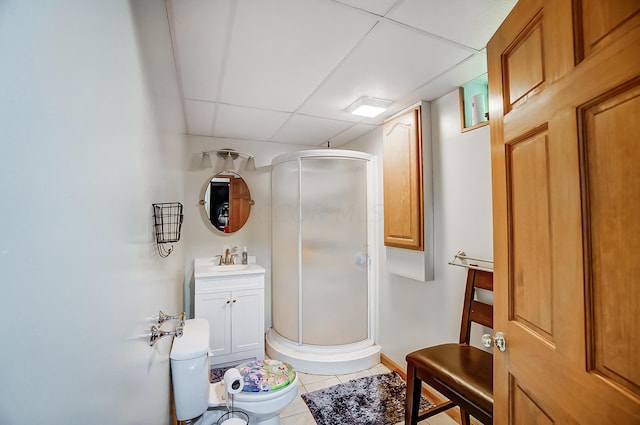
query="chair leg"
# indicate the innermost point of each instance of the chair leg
(464, 417)
(412, 398)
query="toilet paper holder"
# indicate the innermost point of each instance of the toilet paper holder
(233, 384)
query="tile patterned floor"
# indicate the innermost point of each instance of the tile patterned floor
(297, 412)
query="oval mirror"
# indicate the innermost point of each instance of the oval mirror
(226, 202)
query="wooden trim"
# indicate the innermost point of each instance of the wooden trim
(473, 127)
(464, 129)
(461, 102)
(427, 391)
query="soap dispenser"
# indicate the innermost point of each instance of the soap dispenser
(245, 255)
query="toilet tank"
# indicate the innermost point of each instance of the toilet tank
(190, 369)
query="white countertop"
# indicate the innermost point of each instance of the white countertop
(208, 267)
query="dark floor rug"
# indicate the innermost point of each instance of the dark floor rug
(217, 373)
(373, 400)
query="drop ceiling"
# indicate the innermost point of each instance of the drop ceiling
(285, 71)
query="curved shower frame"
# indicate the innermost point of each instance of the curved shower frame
(313, 358)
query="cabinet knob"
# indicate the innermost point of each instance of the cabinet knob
(235, 301)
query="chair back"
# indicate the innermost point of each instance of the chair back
(473, 310)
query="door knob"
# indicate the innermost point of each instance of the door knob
(497, 340)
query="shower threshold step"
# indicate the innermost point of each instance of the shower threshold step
(321, 360)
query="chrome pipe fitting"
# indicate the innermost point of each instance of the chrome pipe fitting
(163, 317)
(157, 333)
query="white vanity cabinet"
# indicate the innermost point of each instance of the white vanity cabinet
(232, 300)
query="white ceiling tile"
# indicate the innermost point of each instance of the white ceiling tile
(248, 123)
(350, 134)
(391, 62)
(286, 70)
(454, 78)
(471, 23)
(282, 49)
(199, 117)
(379, 7)
(312, 131)
(200, 28)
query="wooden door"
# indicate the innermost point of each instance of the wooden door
(239, 203)
(564, 83)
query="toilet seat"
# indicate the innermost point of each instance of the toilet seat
(272, 370)
(265, 375)
(217, 394)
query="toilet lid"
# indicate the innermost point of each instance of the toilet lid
(266, 375)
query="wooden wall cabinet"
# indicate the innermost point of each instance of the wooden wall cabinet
(402, 181)
(408, 193)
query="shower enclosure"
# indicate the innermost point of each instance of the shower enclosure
(323, 293)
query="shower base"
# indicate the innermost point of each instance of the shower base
(323, 360)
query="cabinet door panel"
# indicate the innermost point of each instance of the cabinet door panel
(247, 312)
(216, 308)
(403, 202)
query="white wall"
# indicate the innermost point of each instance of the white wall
(84, 157)
(82, 161)
(414, 314)
(256, 233)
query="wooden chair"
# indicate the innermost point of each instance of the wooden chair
(460, 372)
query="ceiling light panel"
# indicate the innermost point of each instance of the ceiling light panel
(369, 107)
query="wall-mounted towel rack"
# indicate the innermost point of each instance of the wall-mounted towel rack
(461, 257)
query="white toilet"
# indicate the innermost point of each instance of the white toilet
(269, 385)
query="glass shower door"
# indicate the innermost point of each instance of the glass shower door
(284, 253)
(334, 251)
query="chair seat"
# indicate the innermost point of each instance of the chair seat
(464, 369)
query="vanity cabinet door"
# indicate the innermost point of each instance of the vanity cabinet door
(247, 319)
(234, 306)
(216, 308)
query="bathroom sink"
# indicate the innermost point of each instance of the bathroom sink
(209, 267)
(230, 267)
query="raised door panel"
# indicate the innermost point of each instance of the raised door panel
(524, 410)
(600, 22)
(612, 202)
(247, 318)
(402, 175)
(524, 65)
(529, 203)
(216, 308)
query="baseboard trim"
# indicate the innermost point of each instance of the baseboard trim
(427, 391)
